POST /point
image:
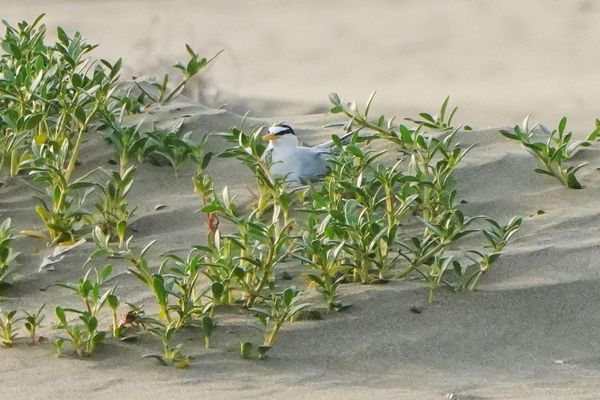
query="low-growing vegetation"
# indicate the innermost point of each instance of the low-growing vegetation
(558, 147)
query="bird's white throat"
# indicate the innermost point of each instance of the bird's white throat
(284, 141)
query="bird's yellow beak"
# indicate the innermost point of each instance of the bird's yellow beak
(269, 137)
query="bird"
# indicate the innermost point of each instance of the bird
(296, 164)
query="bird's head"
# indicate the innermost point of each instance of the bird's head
(281, 135)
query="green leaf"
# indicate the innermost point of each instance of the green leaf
(113, 301)
(217, 289)
(335, 99)
(572, 181)
(288, 295)
(316, 279)
(62, 36)
(246, 349)
(207, 325)
(60, 314)
(509, 135)
(562, 125)
(336, 109)
(80, 114)
(543, 172)
(106, 271)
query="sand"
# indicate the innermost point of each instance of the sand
(530, 332)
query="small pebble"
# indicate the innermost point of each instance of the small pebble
(286, 275)
(415, 309)
(559, 362)
(541, 212)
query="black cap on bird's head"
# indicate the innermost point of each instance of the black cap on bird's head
(277, 131)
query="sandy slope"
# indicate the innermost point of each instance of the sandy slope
(540, 303)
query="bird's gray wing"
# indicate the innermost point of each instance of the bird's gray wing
(314, 165)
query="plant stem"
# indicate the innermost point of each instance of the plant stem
(77, 147)
(415, 264)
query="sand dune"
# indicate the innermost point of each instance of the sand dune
(537, 306)
(529, 333)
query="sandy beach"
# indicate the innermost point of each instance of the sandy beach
(529, 332)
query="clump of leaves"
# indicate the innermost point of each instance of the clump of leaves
(7, 255)
(8, 330)
(84, 335)
(280, 308)
(129, 142)
(558, 147)
(52, 94)
(171, 147)
(170, 355)
(193, 66)
(113, 206)
(429, 184)
(33, 321)
(262, 247)
(154, 281)
(181, 282)
(497, 237)
(324, 256)
(439, 121)
(64, 214)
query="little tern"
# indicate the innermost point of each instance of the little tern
(297, 164)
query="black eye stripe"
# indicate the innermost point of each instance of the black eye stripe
(286, 130)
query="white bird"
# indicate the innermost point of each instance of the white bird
(296, 164)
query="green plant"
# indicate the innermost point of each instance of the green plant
(194, 65)
(113, 303)
(323, 255)
(7, 254)
(262, 246)
(170, 355)
(596, 132)
(281, 308)
(180, 278)
(436, 240)
(160, 287)
(173, 147)
(497, 237)
(558, 147)
(90, 290)
(439, 121)
(129, 142)
(113, 206)
(222, 270)
(52, 94)
(64, 215)
(434, 274)
(34, 321)
(364, 204)
(84, 337)
(8, 330)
